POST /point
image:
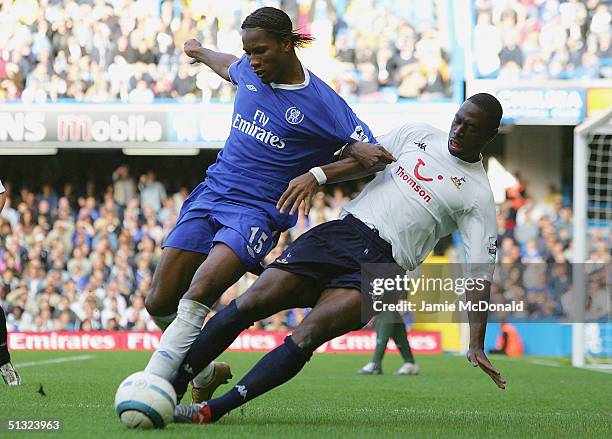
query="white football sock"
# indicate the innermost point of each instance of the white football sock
(163, 321)
(178, 338)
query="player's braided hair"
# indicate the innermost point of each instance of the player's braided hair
(277, 22)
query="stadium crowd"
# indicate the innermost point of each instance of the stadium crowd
(131, 51)
(71, 261)
(534, 258)
(543, 39)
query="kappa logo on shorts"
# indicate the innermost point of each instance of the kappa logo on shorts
(284, 260)
(294, 116)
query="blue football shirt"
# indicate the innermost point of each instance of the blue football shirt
(279, 132)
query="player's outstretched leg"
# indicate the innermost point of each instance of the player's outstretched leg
(274, 291)
(219, 271)
(171, 280)
(337, 312)
(9, 374)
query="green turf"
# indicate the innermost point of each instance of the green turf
(448, 399)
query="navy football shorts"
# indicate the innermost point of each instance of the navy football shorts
(206, 219)
(332, 253)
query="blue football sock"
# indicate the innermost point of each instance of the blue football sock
(275, 368)
(220, 331)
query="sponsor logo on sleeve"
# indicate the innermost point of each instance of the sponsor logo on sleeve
(359, 134)
(492, 248)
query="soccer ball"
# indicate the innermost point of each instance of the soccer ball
(144, 400)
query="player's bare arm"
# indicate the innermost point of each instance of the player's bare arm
(303, 188)
(366, 154)
(219, 62)
(478, 326)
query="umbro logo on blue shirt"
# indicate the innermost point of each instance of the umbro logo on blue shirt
(251, 87)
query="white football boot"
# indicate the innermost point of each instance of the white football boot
(408, 369)
(10, 375)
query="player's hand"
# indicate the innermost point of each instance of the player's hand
(368, 155)
(192, 49)
(478, 358)
(300, 189)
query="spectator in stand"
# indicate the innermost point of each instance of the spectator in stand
(567, 39)
(131, 50)
(124, 187)
(152, 192)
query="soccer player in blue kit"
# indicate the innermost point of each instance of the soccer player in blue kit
(286, 121)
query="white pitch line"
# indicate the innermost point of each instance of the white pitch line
(595, 369)
(545, 363)
(54, 361)
(553, 364)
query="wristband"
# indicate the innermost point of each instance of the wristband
(319, 175)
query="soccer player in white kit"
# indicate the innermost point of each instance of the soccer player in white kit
(437, 185)
(8, 372)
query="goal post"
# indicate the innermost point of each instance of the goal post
(592, 204)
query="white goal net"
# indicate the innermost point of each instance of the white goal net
(592, 238)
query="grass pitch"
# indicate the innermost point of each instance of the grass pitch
(328, 400)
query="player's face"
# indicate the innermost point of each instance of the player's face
(469, 133)
(266, 54)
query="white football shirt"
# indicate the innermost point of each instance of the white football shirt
(427, 194)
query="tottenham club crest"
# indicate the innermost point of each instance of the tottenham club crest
(458, 181)
(294, 116)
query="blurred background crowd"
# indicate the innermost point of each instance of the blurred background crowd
(83, 258)
(383, 50)
(543, 39)
(534, 256)
(131, 51)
